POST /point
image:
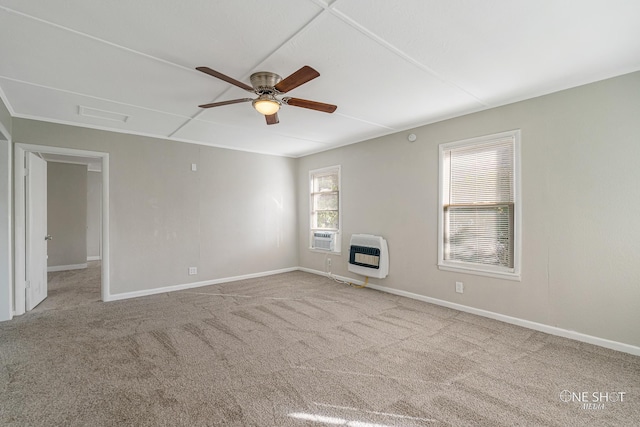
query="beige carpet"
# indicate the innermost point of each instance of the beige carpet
(294, 350)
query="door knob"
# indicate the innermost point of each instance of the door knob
(48, 237)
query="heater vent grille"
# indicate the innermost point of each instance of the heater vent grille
(369, 256)
(365, 256)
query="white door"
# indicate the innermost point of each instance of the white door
(36, 239)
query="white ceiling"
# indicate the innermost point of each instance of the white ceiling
(129, 66)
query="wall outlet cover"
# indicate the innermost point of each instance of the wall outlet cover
(193, 271)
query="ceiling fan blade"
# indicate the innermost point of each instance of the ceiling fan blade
(272, 119)
(232, 101)
(227, 79)
(312, 105)
(296, 79)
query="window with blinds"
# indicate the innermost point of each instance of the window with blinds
(478, 212)
(325, 203)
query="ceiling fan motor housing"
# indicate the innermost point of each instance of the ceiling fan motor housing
(264, 81)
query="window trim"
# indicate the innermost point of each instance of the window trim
(338, 231)
(469, 268)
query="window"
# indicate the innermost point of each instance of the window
(479, 218)
(325, 208)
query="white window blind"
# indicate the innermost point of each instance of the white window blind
(478, 204)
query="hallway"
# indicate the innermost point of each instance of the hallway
(72, 288)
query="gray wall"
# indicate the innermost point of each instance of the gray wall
(581, 209)
(66, 214)
(235, 216)
(94, 213)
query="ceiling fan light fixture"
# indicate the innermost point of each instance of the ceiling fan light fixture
(267, 86)
(266, 104)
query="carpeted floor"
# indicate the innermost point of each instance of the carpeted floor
(294, 350)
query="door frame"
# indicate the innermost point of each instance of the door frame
(20, 151)
(6, 220)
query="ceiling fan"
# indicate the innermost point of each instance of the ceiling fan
(268, 86)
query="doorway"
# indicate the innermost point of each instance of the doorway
(23, 259)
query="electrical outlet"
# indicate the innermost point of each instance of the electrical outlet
(193, 271)
(329, 262)
(459, 287)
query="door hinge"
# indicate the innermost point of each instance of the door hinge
(26, 172)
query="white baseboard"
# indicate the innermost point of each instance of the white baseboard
(332, 276)
(552, 330)
(94, 258)
(66, 267)
(154, 291)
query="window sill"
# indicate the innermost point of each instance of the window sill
(324, 251)
(477, 272)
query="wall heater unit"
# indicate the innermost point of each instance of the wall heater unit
(324, 240)
(369, 256)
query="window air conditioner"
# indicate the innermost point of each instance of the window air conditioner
(324, 240)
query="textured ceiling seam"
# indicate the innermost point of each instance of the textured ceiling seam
(241, 127)
(324, 4)
(400, 53)
(142, 134)
(296, 34)
(365, 121)
(84, 95)
(98, 39)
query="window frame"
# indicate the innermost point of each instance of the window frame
(337, 240)
(472, 268)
